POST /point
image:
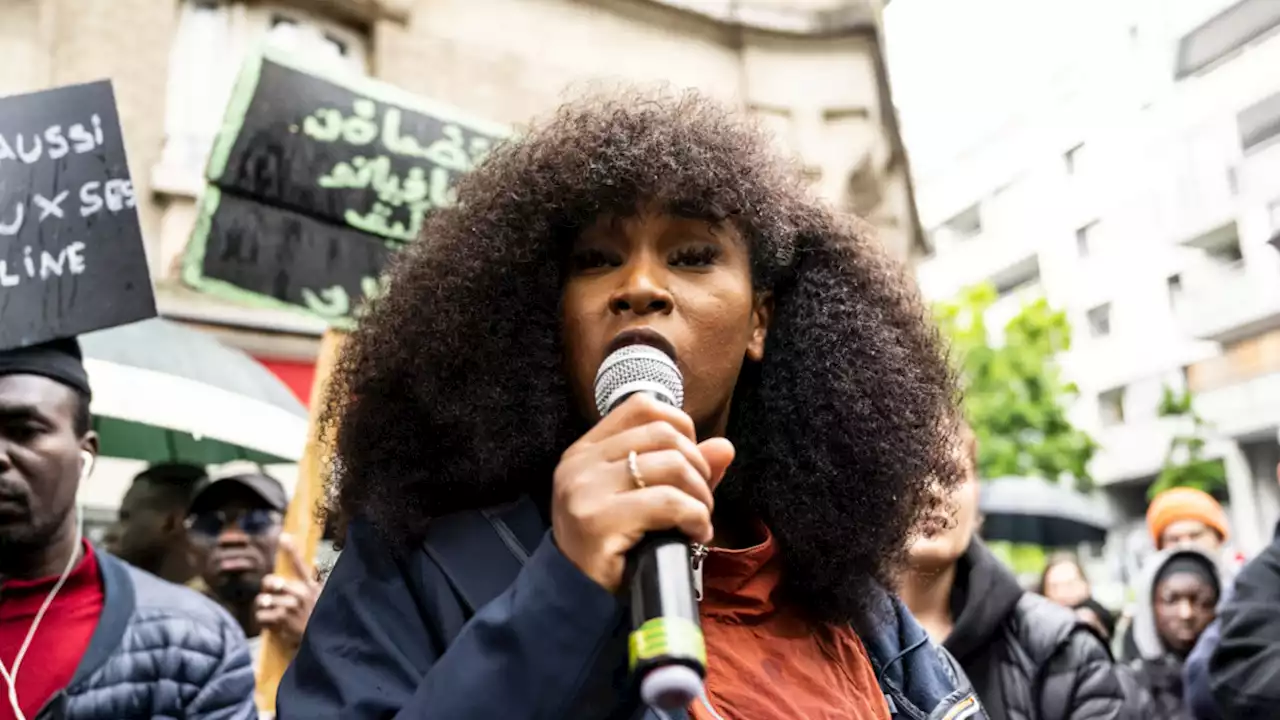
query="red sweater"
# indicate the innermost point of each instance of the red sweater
(61, 639)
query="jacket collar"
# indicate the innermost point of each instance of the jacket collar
(918, 678)
(118, 602)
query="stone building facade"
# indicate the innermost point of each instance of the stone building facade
(813, 69)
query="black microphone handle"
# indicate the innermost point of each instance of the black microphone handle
(666, 641)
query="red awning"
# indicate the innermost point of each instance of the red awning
(298, 375)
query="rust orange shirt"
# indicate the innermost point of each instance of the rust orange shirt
(765, 661)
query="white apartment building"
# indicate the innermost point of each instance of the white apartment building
(1122, 158)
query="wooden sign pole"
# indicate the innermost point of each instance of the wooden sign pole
(300, 520)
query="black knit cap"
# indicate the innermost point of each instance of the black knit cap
(1192, 565)
(58, 360)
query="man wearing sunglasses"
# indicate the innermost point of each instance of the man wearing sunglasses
(234, 528)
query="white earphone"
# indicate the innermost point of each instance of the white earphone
(86, 467)
(10, 676)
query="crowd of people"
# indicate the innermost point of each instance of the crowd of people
(486, 509)
(163, 621)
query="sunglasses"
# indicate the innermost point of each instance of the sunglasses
(209, 525)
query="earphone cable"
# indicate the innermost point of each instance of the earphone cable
(11, 675)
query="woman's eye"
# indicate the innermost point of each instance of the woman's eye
(695, 256)
(592, 259)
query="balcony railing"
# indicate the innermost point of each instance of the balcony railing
(1224, 303)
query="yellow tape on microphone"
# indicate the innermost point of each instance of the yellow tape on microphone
(667, 637)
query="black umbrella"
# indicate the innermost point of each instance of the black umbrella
(1035, 511)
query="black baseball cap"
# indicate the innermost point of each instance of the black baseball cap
(262, 485)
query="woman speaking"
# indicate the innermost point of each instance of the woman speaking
(489, 508)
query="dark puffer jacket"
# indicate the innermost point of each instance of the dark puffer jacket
(159, 651)
(1028, 658)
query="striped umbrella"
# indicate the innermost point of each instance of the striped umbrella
(164, 393)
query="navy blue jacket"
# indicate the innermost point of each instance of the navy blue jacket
(392, 636)
(159, 651)
(1245, 664)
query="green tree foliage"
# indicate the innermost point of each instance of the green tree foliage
(1184, 463)
(1014, 395)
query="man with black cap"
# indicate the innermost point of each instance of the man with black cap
(234, 526)
(100, 639)
(151, 531)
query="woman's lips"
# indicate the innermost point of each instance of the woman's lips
(641, 336)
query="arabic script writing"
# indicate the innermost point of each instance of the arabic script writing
(426, 185)
(335, 302)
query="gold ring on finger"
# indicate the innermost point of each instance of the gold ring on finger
(633, 467)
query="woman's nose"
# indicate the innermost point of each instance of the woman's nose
(642, 291)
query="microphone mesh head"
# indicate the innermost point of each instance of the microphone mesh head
(638, 368)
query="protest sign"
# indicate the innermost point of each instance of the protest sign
(71, 252)
(317, 179)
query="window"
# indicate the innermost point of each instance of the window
(1174, 287)
(211, 43)
(1018, 279)
(1111, 407)
(1227, 253)
(1258, 124)
(778, 122)
(1099, 319)
(1224, 34)
(1085, 237)
(961, 227)
(1072, 157)
(321, 46)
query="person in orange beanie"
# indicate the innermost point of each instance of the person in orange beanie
(1187, 517)
(1184, 517)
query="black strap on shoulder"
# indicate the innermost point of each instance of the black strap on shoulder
(482, 551)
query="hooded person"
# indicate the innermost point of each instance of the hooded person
(1026, 656)
(1177, 594)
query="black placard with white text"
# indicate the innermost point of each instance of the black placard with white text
(71, 252)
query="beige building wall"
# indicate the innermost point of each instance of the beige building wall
(48, 43)
(811, 69)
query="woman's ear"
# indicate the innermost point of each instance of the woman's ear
(761, 316)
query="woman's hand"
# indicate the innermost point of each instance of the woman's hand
(599, 511)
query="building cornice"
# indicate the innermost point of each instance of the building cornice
(364, 12)
(850, 18)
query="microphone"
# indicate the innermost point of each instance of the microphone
(668, 654)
